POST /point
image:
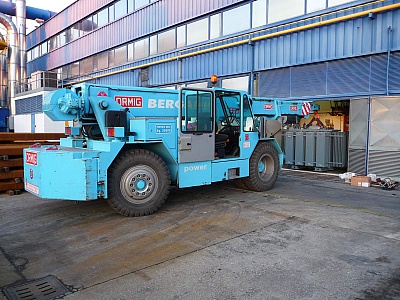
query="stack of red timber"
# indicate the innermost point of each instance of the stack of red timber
(11, 160)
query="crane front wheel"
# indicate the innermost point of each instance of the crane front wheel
(263, 168)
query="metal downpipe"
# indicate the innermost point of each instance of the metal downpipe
(20, 6)
(13, 53)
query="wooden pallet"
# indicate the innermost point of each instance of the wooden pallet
(11, 157)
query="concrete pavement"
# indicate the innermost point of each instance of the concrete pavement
(311, 237)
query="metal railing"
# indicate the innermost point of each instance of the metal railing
(40, 80)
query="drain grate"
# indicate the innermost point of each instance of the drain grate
(45, 288)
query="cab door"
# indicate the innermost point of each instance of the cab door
(196, 126)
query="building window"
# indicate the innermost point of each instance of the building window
(74, 31)
(102, 60)
(95, 63)
(74, 69)
(121, 8)
(102, 17)
(64, 72)
(166, 41)
(62, 38)
(87, 65)
(44, 48)
(131, 51)
(238, 83)
(35, 52)
(314, 5)
(53, 43)
(153, 45)
(279, 10)
(141, 48)
(111, 60)
(81, 68)
(120, 55)
(259, 13)
(131, 6)
(95, 21)
(181, 36)
(215, 26)
(199, 85)
(111, 13)
(86, 26)
(236, 20)
(338, 2)
(140, 3)
(197, 32)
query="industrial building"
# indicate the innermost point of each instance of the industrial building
(343, 54)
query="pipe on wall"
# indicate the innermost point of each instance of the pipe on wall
(13, 53)
(21, 25)
(32, 13)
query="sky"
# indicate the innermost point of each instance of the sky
(52, 5)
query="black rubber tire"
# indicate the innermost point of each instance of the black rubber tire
(138, 183)
(240, 183)
(264, 156)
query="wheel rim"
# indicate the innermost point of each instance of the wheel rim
(138, 184)
(266, 167)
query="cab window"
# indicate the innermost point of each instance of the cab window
(248, 121)
(196, 111)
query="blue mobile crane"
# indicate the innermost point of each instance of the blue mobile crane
(129, 145)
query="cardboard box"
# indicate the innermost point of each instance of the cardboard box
(363, 181)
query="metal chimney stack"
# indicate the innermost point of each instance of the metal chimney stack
(20, 6)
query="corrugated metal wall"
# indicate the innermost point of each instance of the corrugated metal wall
(150, 18)
(344, 39)
(358, 124)
(384, 139)
(374, 140)
(364, 75)
(362, 36)
(77, 11)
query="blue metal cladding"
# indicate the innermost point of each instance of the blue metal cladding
(394, 73)
(345, 39)
(275, 83)
(148, 19)
(74, 13)
(222, 62)
(348, 76)
(378, 73)
(126, 79)
(313, 84)
(322, 61)
(339, 78)
(167, 72)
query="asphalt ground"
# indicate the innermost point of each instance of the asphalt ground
(312, 236)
